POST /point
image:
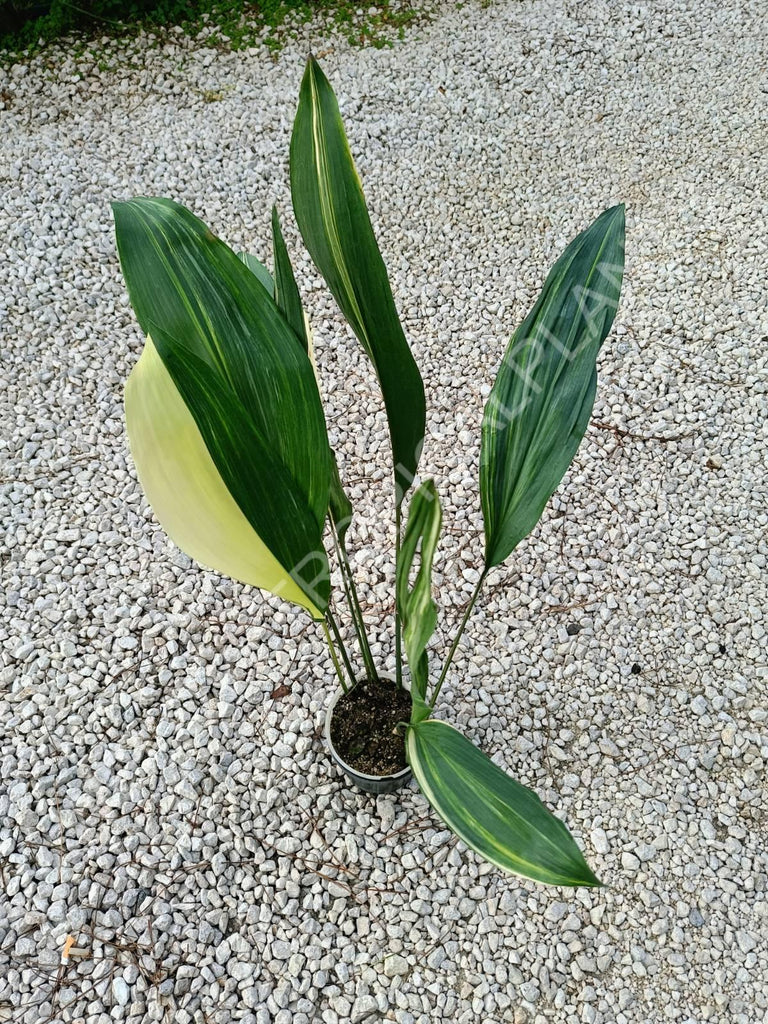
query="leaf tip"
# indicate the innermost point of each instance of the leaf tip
(591, 881)
(581, 874)
(277, 231)
(312, 66)
(618, 213)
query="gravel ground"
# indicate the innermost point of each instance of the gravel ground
(164, 798)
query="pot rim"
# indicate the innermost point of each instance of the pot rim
(331, 746)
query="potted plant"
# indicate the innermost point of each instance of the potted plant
(228, 434)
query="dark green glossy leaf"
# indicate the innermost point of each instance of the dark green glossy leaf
(253, 473)
(289, 300)
(418, 611)
(287, 294)
(539, 407)
(497, 817)
(331, 213)
(227, 346)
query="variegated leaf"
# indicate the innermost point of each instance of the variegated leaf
(497, 817)
(185, 489)
(418, 611)
(245, 379)
(539, 407)
(333, 219)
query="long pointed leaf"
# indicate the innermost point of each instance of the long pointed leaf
(331, 213)
(288, 299)
(248, 384)
(418, 611)
(539, 407)
(497, 817)
(185, 489)
(286, 290)
(192, 286)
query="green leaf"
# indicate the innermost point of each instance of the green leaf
(253, 474)
(287, 294)
(185, 489)
(249, 386)
(289, 300)
(497, 817)
(258, 269)
(539, 407)
(418, 611)
(331, 213)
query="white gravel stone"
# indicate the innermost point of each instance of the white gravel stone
(121, 992)
(396, 966)
(600, 840)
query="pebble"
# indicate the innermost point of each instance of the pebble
(556, 912)
(699, 705)
(121, 992)
(600, 840)
(530, 991)
(630, 862)
(395, 966)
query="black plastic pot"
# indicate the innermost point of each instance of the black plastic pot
(368, 783)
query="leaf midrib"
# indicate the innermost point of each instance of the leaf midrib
(327, 212)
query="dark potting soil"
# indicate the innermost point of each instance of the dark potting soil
(364, 727)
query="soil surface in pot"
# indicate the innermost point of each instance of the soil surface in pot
(363, 727)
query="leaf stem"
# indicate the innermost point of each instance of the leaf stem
(331, 620)
(398, 620)
(354, 606)
(457, 638)
(334, 657)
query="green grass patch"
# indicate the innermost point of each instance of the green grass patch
(26, 26)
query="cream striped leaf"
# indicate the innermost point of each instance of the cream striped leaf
(494, 815)
(539, 407)
(333, 219)
(418, 611)
(242, 375)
